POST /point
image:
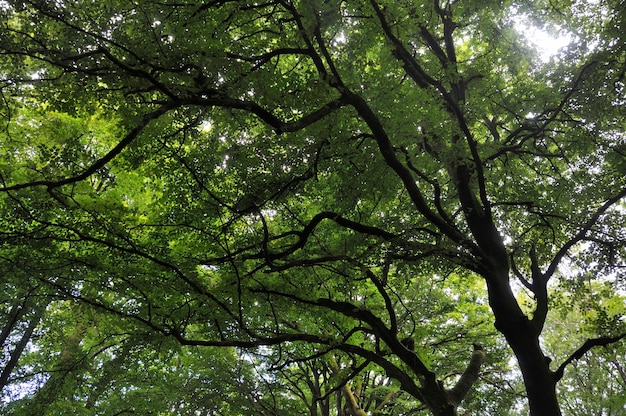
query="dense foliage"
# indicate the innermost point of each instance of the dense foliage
(312, 207)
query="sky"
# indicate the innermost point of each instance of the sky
(546, 44)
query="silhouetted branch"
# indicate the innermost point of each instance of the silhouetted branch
(589, 344)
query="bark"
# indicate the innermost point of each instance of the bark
(521, 334)
(352, 403)
(523, 338)
(437, 399)
(385, 400)
(469, 376)
(455, 396)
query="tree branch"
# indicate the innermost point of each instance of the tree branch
(589, 344)
(580, 236)
(469, 376)
(100, 163)
(216, 98)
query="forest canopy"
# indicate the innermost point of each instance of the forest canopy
(287, 207)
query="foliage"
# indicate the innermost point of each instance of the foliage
(309, 206)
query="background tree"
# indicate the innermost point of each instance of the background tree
(339, 175)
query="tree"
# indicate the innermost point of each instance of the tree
(596, 376)
(272, 174)
(104, 368)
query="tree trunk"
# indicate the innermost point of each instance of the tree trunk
(523, 338)
(538, 379)
(437, 399)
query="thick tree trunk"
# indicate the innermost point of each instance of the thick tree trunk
(523, 338)
(436, 398)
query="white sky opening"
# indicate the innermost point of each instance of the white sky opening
(546, 44)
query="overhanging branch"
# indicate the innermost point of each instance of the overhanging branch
(217, 98)
(581, 235)
(100, 163)
(589, 344)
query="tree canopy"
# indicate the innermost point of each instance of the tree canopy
(317, 207)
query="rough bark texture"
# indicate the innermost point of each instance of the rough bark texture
(352, 407)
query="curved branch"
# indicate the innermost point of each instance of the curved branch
(304, 235)
(344, 385)
(580, 236)
(100, 163)
(589, 344)
(388, 304)
(216, 98)
(388, 153)
(517, 138)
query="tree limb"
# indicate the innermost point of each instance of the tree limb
(100, 163)
(469, 376)
(589, 344)
(580, 236)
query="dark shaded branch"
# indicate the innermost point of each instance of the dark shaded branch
(528, 285)
(252, 340)
(478, 213)
(559, 108)
(393, 327)
(139, 73)
(521, 135)
(378, 327)
(264, 58)
(432, 181)
(539, 287)
(411, 66)
(302, 239)
(589, 344)
(581, 235)
(308, 262)
(216, 98)
(15, 355)
(406, 381)
(389, 155)
(19, 309)
(252, 343)
(302, 28)
(381, 330)
(304, 235)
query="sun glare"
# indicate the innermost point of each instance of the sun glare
(546, 44)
